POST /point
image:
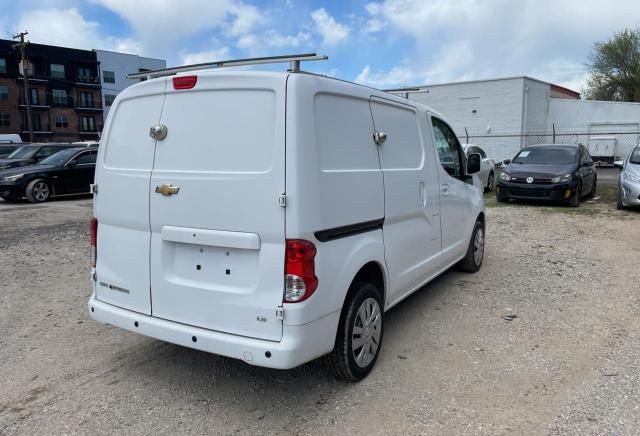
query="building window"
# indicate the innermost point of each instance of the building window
(108, 99)
(5, 121)
(86, 99)
(4, 92)
(84, 74)
(88, 124)
(57, 71)
(62, 121)
(35, 122)
(109, 76)
(34, 96)
(3, 65)
(59, 96)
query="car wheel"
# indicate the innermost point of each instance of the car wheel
(574, 201)
(38, 191)
(475, 252)
(359, 336)
(619, 204)
(594, 188)
(489, 187)
(501, 199)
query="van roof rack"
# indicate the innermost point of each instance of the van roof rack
(294, 61)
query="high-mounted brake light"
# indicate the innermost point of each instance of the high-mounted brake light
(300, 280)
(184, 82)
(94, 241)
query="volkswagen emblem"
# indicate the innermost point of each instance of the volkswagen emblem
(529, 179)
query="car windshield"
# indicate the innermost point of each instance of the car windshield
(635, 156)
(547, 155)
(60, 158)
(23, 152)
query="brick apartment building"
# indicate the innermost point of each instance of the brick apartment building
(64, 91)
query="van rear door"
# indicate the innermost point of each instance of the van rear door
(217, 228)
(123, 172)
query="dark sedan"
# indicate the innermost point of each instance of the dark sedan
(70, 171)
(7, 149)
(31, 154)
(554, 172)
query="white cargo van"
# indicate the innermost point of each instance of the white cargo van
(273, 217)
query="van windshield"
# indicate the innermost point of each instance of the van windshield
(23, 152)
(547, 155)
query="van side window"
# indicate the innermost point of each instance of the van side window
(448, 147)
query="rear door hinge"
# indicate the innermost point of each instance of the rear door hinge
(282, 200)
(94, 188)
(280, 313)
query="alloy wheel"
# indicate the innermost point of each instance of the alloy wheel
(41, 191)
(478, 247)
(367, 328)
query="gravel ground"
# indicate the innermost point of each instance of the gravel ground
(450, 363)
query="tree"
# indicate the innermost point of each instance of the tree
(615, 68)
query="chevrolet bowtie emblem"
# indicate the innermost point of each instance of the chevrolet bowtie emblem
(167, 189)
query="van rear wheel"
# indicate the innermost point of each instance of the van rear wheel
(359, 336)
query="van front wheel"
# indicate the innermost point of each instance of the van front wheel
(475, 252)
(359, 336)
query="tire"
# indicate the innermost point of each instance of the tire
(38, 191)
(575, 200)
(619, 204)
(475, 252)
(594, 188)
(344, 362)
(490, 182)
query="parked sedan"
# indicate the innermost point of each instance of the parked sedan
(69, 171)
(31, 154)
(6, 149)
(557, 172)
(629, 181)
(487, 166)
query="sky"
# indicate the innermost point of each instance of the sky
(384, 43)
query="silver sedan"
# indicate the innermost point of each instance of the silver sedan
(629, 181)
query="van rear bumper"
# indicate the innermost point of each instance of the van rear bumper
(299, 344)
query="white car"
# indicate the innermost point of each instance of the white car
(273, 217)
(487, 166)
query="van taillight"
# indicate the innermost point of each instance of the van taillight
(94, 241)
(300, 279)
(184, 82)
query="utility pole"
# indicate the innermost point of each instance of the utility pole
(22, 45)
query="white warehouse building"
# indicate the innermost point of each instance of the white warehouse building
(114, 70)
(504, 115)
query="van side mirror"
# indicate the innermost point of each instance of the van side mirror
(619, 164)
(473, 163)
(506, 161)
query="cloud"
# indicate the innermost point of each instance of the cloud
(221, 54)
(62, 27)
(272, 39)
(395, 77)
(331, 31)
(165, 22)
(467, 39)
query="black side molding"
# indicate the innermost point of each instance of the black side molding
(350, 230)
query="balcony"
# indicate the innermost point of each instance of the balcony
(88, 106)
(42, 129)
(88, 81)
(60, 102)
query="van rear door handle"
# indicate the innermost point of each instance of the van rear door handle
(167, 190)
